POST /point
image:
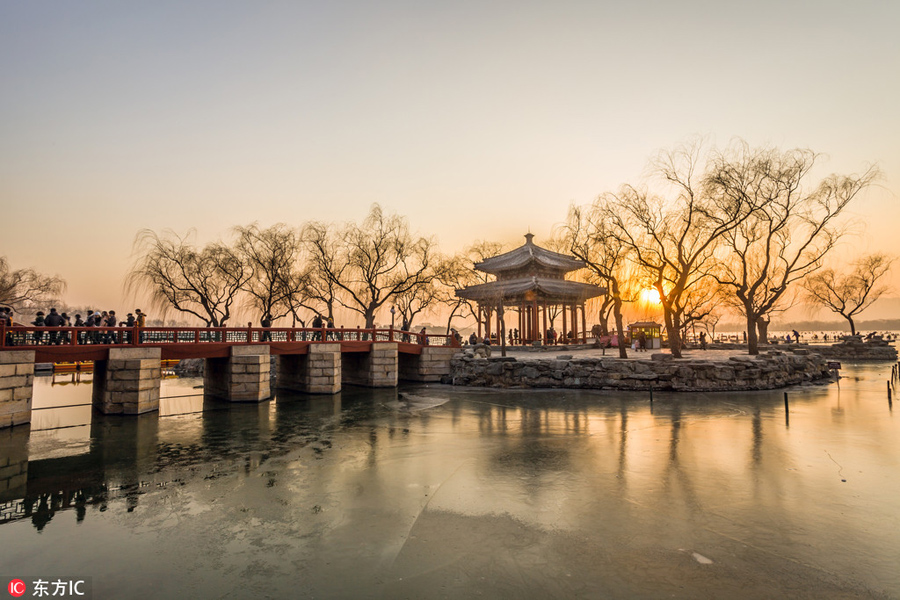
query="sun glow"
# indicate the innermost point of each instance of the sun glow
(650, 296)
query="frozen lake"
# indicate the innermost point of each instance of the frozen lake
(440, 492)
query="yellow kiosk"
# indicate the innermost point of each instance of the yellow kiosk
(652, 331)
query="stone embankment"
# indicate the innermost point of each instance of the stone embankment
(770, 370)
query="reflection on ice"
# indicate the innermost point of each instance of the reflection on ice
(435, 491)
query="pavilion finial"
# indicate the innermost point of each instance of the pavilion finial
(528, 237)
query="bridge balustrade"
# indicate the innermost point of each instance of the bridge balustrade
(28, 335)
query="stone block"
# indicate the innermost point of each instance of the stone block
(250, 350)
(134, 353)
(25, 369)
(323, 389)
(8, 370)
(20, 418)
(15, 381)
(11, 357)
(7, 394)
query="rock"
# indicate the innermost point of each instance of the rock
(564, 357)
(661, 357)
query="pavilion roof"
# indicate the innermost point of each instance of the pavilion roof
(525, 255)
(559, 290)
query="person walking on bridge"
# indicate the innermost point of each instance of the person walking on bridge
(266, 322)
(54, 320)
(140, 321)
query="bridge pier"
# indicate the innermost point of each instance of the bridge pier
(242, 377)
(13, 462)
(128, 382)
(318, 372)
(430, 366)
(376, 368)
(16, 387)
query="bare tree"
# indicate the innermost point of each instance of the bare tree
(459, 271)
(673, 240)
(320, 292)
(590, 237)
(417, 300)
(849, 294)
(25, 287)
(375, 261)
(790, 226)
(202, 282)
(272, 256)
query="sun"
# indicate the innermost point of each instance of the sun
(650, 296)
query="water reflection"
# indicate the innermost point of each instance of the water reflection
(566, 493)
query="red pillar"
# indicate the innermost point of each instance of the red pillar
(544, 330)
(478, 318)
(562, 334)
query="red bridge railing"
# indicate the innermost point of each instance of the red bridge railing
(19, 336)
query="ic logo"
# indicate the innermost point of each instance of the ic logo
(16, 588)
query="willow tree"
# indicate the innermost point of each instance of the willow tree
(375, 261)
(849, 294)
(590, 237)
(791, 225)
(673, 238)
(25, 287)
(459, 271)
(203, 282)
(272, 257)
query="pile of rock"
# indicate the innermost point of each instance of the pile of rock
(773, 369)
(855, 348)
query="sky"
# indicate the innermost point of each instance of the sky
(476, 120)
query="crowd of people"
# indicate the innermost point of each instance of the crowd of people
(101, 320)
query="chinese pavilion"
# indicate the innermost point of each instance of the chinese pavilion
(532, 280)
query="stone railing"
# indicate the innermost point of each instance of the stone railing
(766, 371)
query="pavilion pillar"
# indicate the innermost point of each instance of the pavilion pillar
(499, 329)
(583, 323)
(521, 332)
(534, 320)
(544, 331)
(574, 322)
(478, 318)
(562, 334)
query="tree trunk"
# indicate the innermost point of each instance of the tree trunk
(672, 332)
(752, 338)
(762, 324)
(852, 326)
(620, 329)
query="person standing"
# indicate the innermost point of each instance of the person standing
(703, 340)
(642, 341)
(266, 322)
(111, 321)
(317, 325)
(129, 323)
(38, 336)
(140, 321)
(54, 320)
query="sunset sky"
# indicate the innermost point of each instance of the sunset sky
(476, 120)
